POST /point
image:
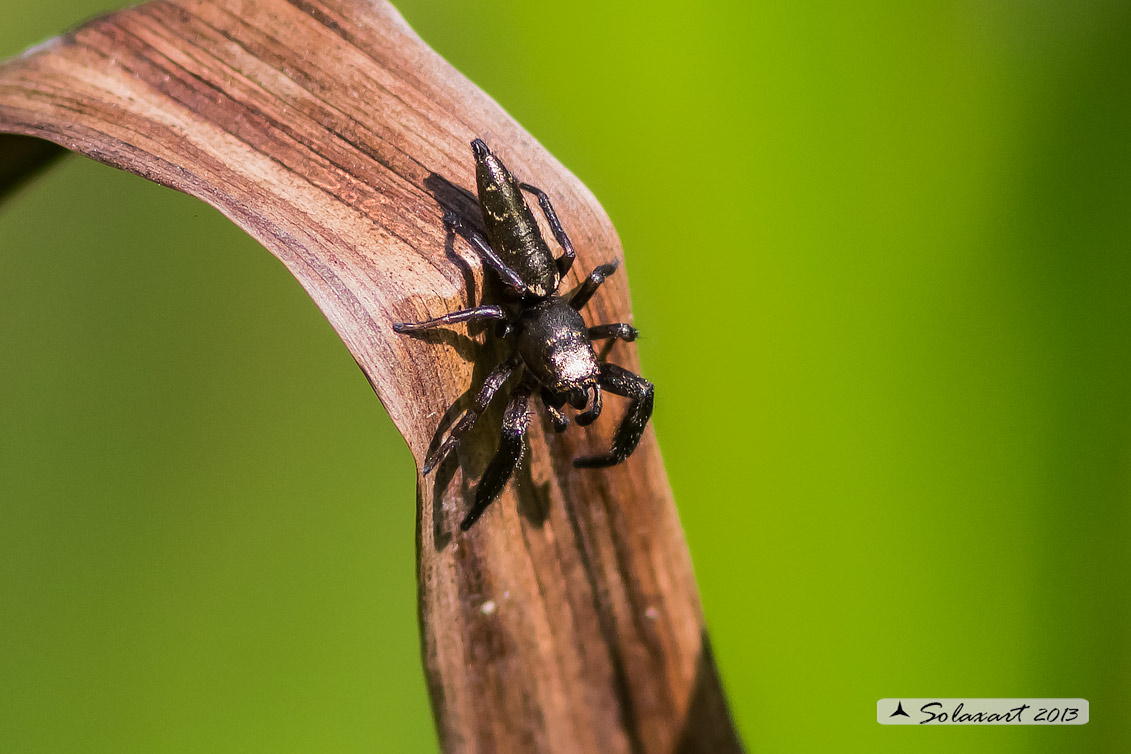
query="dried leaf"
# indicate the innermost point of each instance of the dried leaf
(567, 620)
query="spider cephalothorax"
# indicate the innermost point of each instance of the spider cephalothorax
(552, 346)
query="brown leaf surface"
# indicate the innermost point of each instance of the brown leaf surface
(567, 619)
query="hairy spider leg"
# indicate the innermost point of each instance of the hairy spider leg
(592, 283)
(487, 311)
(491, 386)
(621, 330)
(553, 405)
(515, 421)
(476, 239)
(594, 409)
(565, 261)
(620, 381)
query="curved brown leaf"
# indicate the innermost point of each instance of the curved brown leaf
(567, 620)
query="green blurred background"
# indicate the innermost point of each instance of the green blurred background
(881, 254)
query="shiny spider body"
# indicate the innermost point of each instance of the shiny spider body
(552, 346)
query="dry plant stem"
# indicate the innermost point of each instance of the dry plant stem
(567, 620)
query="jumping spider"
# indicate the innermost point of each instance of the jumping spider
(553, 349)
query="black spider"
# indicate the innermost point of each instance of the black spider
(553, 349)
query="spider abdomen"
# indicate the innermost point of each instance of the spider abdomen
(511, 227)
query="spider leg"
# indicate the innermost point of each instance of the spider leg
(553, 406)
(592, 283)
(565, 261)
(488, 311)
(594, 410)
(476, 239)
(491, 386)
(623, 382)
(621, 330)
(515, 421)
